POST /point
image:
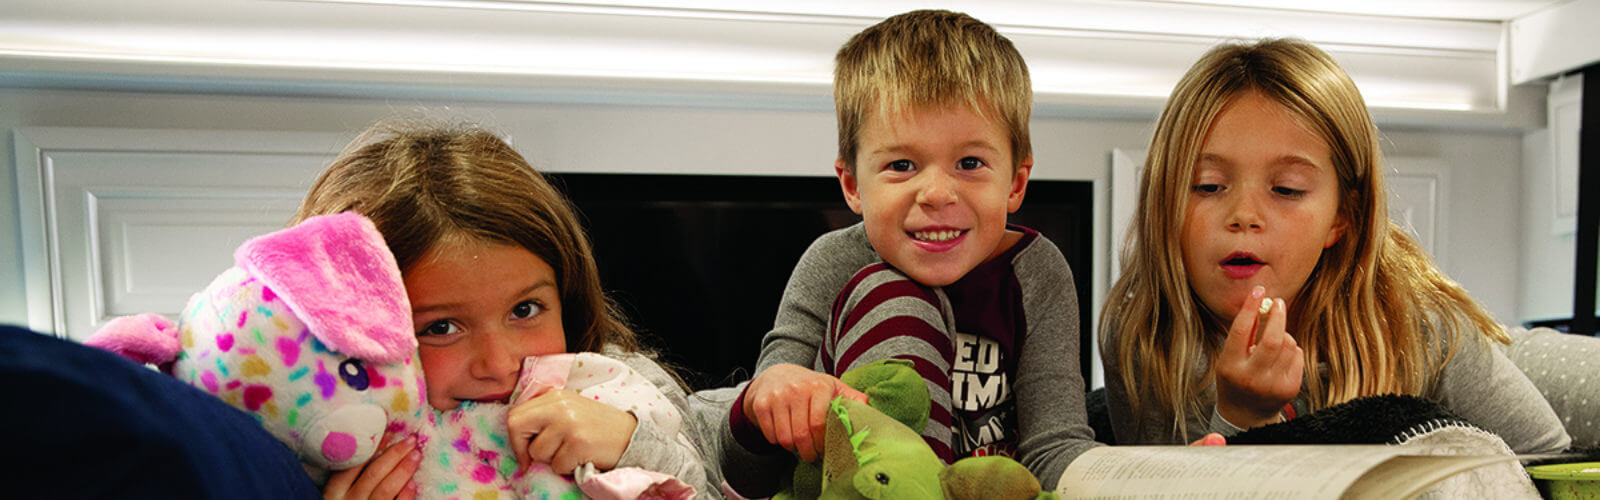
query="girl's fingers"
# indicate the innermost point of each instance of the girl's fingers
(536, 434)
(1240, 334)
(1294, 370)
(1212, 439)
(393, 485)
(1277, 320)
(379, 469)
(543, 448)
(339, 482)
(409, 492)
(525, 423)
(564, 459)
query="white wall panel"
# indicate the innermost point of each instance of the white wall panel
(136, 220)
(1416, 191)
(153, 252)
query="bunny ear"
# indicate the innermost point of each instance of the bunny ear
(143, 338)
(337, 275)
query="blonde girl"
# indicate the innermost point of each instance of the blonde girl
(1262, 277)
(497, 268)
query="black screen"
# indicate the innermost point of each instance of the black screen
(699, 262)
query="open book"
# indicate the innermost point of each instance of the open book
(1445, 462)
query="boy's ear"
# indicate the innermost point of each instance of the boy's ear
(1019, 184)
(847, 184)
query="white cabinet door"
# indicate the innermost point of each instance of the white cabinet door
(119, 221)
(1417, 188)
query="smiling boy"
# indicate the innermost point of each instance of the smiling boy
(933, 110)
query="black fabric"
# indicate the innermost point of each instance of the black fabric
(1094, 404)
(1385, 419)
(84, 423)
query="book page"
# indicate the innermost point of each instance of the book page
(1406, 476)
(1220, 472)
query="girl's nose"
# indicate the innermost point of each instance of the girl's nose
(1245, 214)
(495, 356)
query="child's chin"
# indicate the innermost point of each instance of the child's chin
(941, 274)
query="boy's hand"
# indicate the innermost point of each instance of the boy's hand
(790, 405)
(566, 430)
(1256, 377)
(386, 475)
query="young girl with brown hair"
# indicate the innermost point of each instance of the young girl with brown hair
(497, 268)
(1265, 179)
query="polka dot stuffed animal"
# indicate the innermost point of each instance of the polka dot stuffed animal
(311, 334)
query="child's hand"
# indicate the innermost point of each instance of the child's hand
(1212, 439)
(566, 430)
(386, 475)
(790, 405)
(1256, 377)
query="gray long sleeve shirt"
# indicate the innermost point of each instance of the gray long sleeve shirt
(652, 448)
(1479, 383)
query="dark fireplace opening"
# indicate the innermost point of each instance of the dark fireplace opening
(699, 262)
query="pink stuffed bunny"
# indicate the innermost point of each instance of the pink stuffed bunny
(311, 333)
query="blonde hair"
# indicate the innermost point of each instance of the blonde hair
(428, 185)
(928, 58)
(1367, 309)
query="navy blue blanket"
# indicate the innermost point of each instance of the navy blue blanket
(84, 423)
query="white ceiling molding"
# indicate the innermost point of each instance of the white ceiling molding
(1554, 41)
(1085, 56)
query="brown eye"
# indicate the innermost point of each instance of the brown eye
(526, 309)
(438, 328)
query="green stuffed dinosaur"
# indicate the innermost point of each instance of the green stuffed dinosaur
(876, 451)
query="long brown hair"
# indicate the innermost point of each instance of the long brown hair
(1367, 309)
(427, 184)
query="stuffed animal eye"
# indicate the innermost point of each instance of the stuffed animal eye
(354, 374)
(882, 478)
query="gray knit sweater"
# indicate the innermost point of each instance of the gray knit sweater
(1479, 383)
(651, 448)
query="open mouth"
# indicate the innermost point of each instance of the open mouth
(1242, 259)
(938, 236)
(1241, 265)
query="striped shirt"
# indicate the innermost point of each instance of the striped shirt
(961, 338)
